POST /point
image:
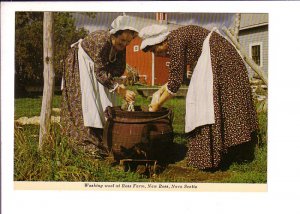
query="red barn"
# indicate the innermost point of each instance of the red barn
(152, 70)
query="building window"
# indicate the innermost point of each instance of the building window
(167, 64)
(135, 48)
(256, 53)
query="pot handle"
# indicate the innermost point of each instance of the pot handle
(169, 115)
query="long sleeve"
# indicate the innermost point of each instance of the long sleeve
(105, 73)
(102, 74)
(178, 62)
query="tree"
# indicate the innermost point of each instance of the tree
(29, 49)
(29, 46)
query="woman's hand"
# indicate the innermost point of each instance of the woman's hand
(159, 101)
(154, 107)
(127, 95)
(162, 89)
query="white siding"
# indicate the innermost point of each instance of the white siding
(249, 20)
(256, 35)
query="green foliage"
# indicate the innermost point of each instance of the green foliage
(29, 45)
(263, 125)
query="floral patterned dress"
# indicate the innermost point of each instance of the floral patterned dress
(98, 46)
(235, 115)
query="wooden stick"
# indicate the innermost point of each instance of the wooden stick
(237, 26)
(45, 119)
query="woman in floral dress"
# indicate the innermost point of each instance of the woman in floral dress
(234, 117)
(107, 53)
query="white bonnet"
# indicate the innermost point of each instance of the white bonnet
(153, 34)
(122, 23)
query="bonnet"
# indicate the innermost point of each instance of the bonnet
(153, 34)
(122, 23)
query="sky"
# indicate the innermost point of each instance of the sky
(103, 20)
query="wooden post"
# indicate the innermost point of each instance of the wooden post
(45, 118)
(248, 60)
(237, 23)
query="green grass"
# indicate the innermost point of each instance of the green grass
(61, 161)
(31, 106)
(254, 172)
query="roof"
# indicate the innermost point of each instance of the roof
(252, 20)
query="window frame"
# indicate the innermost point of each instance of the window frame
(260, 44)
(136, 48)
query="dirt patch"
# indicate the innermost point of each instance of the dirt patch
(188, 174)
(177, 172)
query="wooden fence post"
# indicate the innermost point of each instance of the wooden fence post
(45, 119)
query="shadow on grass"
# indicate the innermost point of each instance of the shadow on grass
(169, 154)
(176, 152)
(240, 154)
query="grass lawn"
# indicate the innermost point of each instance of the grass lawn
(60, 162)
(31, 106)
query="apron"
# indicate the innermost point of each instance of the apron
(199, 98)
(95, 97)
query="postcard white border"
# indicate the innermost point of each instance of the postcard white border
(283, 151)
